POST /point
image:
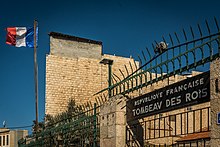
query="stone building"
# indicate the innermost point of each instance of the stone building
(73, 71)
(9, 138)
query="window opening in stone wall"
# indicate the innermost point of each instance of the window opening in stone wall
(0, 140)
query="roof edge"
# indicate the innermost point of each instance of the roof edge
(74, 38)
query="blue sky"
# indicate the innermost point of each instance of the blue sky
(124, 26)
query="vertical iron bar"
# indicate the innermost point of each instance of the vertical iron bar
(154, 129)
(184, 33)
(208, 119)
(186, 54)
(116, 88)
(169, 127)
(164, 122)
(159, 127)
(171, 40)
(132, 72)
(193, 36)
(113, 90)
(153, 47)
(150, 64)
(95, 127)
(181, 122)
(161, 60)
(207, 25)
(175, 124)
(194, 119)
(131, 67)
(140, 60)
(200, 120)
(127, 75)
(145, 59)
(149, 129)
(126, 70)
(172, 52)
(187, 122)
(149, 56)
(155, 69)
(119, 80)
(179, 58)
(145, 75)
(135, 64)
(194, 44)
(145, 130)
(216, 23)
(200, 31)
(166, 59)
(122, 73)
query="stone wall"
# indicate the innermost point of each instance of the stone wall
(215, 102)
(73, 71)
(113, 122)
(74, 47)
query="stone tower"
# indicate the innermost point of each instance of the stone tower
(73, 71)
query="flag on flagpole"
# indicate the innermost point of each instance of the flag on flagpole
(21, 36)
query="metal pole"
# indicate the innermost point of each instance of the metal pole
(36, 73)
(109, 79)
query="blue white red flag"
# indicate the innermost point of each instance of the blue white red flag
(21, 36)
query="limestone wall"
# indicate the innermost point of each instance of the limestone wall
(73, 71)
(215, 101)
(113, 122)
(74, 47)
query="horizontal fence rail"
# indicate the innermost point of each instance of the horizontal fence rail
(176, 125)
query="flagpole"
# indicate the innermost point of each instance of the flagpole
(36, 74)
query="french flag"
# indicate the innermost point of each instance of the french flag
(21, 36)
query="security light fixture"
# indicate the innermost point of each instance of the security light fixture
(109, 62)
(106, 61)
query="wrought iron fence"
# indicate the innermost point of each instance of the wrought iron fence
(200, 45)
(189, 122)
(78, 131)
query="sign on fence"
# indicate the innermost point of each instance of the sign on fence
(191, 91)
